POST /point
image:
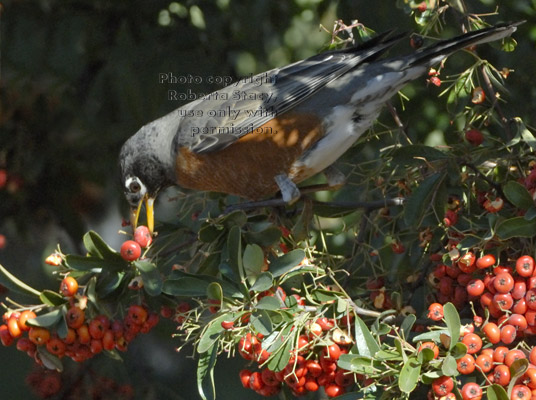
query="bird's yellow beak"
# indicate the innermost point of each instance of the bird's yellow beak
(149, 208)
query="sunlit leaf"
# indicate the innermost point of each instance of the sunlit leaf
(409, 375)
(452, 320)
(365, 342)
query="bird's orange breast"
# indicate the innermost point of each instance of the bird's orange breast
(248, 166)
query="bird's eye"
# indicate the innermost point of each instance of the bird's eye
(134, 187)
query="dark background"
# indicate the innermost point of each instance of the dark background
(79, 77)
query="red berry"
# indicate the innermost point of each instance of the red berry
(69, 286)
(501, 375)
(130, 250)
(471, 391)
(142, 236)
(484, 362)
(435, 81)
(474, 136)
(138, 314)
(443, 385)
(333, 390)
(331, 352)
(75, 317)
(473, 343)
(466, 364)
(227, 325)
(435, 312)
(492, 332)
(485, 261)
(504, 282)
(508, 334)
(525, 266)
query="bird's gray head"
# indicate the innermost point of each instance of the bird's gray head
(144, 164)
(146, 167)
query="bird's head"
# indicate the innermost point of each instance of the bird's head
(145, 168)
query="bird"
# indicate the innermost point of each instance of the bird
(258, 136)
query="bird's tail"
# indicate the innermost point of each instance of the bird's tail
(433, 54)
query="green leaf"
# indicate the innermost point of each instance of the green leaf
(209, 233)
(234, 247)
(409, 376)
(407, 324)
(517, 369)
(108, 282)
(525, 134)
(432, 335)
(265, 238)
(152, 280)
(323, 295)
(205, 367)
(286, 262)
(186, 286)
(99, 248)
(365, 342)
(47, 320)
(13, 283)
(281, 356)
(452, 320)
(418, 202)
(269, 303)
(214, 291)
(417, 154)
(253, 261)
(51, 298)
(530, 215)
(81, 263)
(50, 361)
(212, 332)
(518, 195)
(356, 363)
(264, 282)
(236, 218)
(516, 227)
(459, 350)
(449, 366)
(262, 322)
(425, 355)
(496, 392)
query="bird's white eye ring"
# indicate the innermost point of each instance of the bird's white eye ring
(133, 185)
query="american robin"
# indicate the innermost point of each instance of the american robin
(271, 132)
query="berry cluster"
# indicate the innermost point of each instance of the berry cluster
(313, 363)
(495, 364)
(508, 294)
(83, 337)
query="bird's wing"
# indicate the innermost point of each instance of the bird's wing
(219, 119)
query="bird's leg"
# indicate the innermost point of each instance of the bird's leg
(335, 178)
(289, 190)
